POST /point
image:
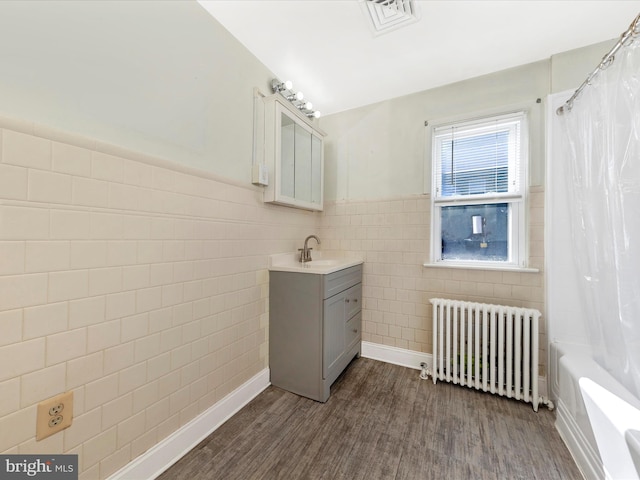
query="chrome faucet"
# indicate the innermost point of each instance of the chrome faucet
(305, 252)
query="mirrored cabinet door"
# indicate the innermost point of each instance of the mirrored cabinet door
(287, 156)
(294, 156)
(303, 173)
(317, 170)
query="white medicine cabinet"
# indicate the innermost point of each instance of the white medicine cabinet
(294, 155)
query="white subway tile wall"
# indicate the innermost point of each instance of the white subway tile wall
(393, 237)
(139, 284)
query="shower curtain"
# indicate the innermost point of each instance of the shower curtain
(602, 143)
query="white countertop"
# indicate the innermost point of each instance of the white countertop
(288, 262)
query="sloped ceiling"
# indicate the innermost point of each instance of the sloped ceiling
(327, 48)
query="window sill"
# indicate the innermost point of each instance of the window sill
(467, 266)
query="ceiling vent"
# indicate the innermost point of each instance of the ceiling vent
(388, 15)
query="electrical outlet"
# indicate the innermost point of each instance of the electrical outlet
(55, 421)
(56, 409)
(54, 414)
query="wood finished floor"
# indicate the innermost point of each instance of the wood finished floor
(382, 422)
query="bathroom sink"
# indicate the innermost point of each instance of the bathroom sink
(324, 263)
(289, 262)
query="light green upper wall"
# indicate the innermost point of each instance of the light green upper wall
(570, 69)
(382, 150)
(168, 80)
(379, 151)
(162, 78)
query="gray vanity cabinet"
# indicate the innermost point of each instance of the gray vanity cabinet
(314, 328)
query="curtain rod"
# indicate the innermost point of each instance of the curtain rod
(625, 39)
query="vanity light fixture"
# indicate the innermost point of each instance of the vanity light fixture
(278, 86)
(296, 98)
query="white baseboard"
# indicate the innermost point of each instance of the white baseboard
(395, 355)
(159, 458)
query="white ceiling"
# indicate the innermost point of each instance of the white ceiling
(328, 50)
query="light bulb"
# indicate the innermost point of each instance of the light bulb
(295, 97)
(308, 106)
(316, 114)
(288, 85)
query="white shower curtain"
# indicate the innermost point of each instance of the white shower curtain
(602, 143)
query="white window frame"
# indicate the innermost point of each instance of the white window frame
(517, 200)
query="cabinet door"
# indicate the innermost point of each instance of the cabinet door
(303, 170)
(317, 172)
(333, 333)
(287, 155)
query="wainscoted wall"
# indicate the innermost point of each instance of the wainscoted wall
(142, 286)
(393, 236)
(139, 284)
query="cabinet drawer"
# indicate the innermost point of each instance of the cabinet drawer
(341, 280)
(353, 300)
(352, 330)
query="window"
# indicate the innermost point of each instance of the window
(478, 191)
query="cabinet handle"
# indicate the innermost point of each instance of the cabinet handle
(346, 300)
(355, 330)
(355, 300)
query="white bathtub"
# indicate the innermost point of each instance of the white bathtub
(568, 364)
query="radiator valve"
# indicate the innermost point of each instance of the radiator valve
(424, 374)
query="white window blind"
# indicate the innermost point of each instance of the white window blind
(479, 158)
